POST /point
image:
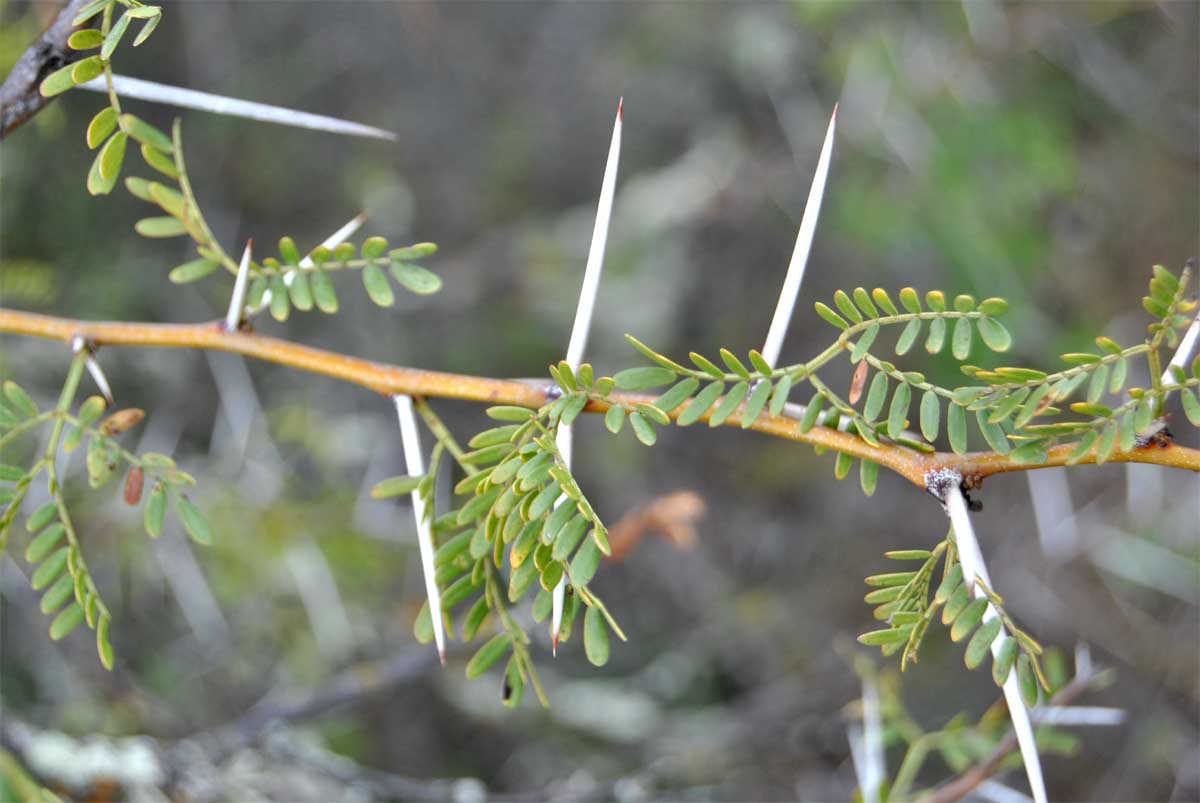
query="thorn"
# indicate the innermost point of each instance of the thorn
(621, 109)
(804, 239)
(554, 645)
(233, 318)
(98, 376)
(414, 462)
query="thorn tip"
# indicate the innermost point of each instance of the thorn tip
(621, 108)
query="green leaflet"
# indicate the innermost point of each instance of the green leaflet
(595, 637)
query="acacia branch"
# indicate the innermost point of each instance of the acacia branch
(388, 380)
(20, 98)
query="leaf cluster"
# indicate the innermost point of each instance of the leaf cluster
(907, 602)
(54, 552)
(109, 130)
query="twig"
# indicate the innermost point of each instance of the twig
(392, 379)
(20, 98)
(964, 784)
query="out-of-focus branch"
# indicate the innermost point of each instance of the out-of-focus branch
(19, 95)
(966, 783)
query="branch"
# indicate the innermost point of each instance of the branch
(19, 95)
(389, 380)
(966, 783)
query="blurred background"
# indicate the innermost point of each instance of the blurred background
(1047, 153)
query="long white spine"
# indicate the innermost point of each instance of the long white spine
(583, 322)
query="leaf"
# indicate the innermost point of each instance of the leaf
(937, 336)
(374, 247)
(57, 82)
(103, 645)
(90, 10)
(585, 563)
(864, 343)
(415, 278)
(193, 521)
(148, 28)
(1002, 664)
(159, 227)
(700, 405)
(651, 414)
(1033, 452)
(847, 307)
(960, 341)
(706, 365)
(642, 429)
(300, 291)
(931, 411)
(85, 39)
(992, 433)
(1106, 442)
(614, 418)
(103, 124)
(323, 292)
(595, 637)
(970, 617)
(898, 410)
(146, 134)
(830, 316)
(879, 638)
(114, 37)
(488, 654)
(49, 570)
(396, 486)
(191, 271)
(643, 377)
(57, 595)
(949, 584)
(756, 402)
(677, 395)
(994, 334)
(280, 301)
(1027, 680)
(156, 508)
(1191, 407)
(993, 306)
(936, 300)
(65, 622)
(876, 396)
(735, 365)
(980, 643)
(863, 300)
(856, 383)
(730, 403)
(956, 427)
(908, 336)
(377, 285)
(159, 161)
(45, 541)
(868, 476)
(19, 399)
(910, 300)
(779, 396)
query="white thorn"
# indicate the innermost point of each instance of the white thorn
(414, 463)
(973, 567)
(874, 765)
(804, 238)
(332, 241)
(583, 321)
(101, 380)
(1184, 352)
(234, 316)
(233, 107)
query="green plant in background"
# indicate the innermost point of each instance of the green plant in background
(519, 521)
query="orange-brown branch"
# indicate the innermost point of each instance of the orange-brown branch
(391, 379)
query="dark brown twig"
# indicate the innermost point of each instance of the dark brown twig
(19, 95)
